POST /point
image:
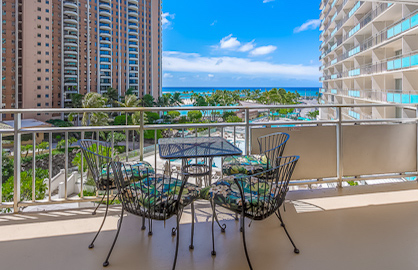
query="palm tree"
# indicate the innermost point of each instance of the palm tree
(112, 96)
(176, 99)
(164, 100)
(129, 101)
(94, 100)
(148, 101)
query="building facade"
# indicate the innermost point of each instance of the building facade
(369, 54)
(55, 48)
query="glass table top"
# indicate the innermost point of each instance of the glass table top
(196, 147)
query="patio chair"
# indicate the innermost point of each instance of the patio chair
(97, 155)
(256, 197)
(157, 197)
(271, 147)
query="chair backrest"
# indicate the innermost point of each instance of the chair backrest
(266, 191)
(98, 156)
(155, 197)
(272, 146)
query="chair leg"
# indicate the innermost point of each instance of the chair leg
(106, 263)
(279, 216)
(177, 242)
(213, 223)
(191, 241)
(150, 226)
(97, 207)
(101, 226)
(143, 223)
(223, 226)
(245, 243)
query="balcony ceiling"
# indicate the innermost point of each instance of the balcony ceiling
(360, 228)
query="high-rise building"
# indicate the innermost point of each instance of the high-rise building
(54, 48)
(369, 54)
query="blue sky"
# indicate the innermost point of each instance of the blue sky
(247, 43)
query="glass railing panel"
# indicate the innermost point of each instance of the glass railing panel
(334, 61)
(414, 20)
(333, 91)
(406, 25)
(406, 62)
(354, 9)
(414, 60)
(414, 98)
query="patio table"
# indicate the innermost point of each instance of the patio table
(196, 147)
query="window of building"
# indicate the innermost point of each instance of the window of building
(39, 9)
(38, 96)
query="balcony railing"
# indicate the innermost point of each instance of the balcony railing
(331, 150)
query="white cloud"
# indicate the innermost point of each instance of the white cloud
(229, 42)
(267, 1)
(308, 25)
(165, 19)
(195, 63)
(211, 75)
(247, 47)
(168, 75)
(214, 22)
(263, 50)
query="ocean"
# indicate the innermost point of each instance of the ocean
(303, 91)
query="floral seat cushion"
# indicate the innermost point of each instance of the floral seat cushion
(137, 170)
(259, 195)
(248, 165)
(160, 191)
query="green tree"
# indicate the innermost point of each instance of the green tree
(7, 166)
(173, 114)
(76, 100)
(43, 146)
(194, 116)
(226, 114)
(176, 99)
(313, 114)
(151, 117)
(120, 120)
(112, 96)
(26, 148)
(26, 186)
(130, 101)
(233, 119)
(148, 101)
(95, 100)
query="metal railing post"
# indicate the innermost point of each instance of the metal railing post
(1, 167)
(339, 148)
(82, 170)
(416, 115)
(141, 137)
(66, 165)
(247, 131)
(33, 166)
(16, 155)
(50, 167)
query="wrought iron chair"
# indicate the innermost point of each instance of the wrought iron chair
(98, 155)
(271, 147)
(157, 197)
(255, 196)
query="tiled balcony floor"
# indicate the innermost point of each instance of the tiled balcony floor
(340, 230)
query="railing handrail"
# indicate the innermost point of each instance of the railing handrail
(194, 108)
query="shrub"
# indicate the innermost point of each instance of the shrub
(120, 120)
(150, 134)
(152, 116)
